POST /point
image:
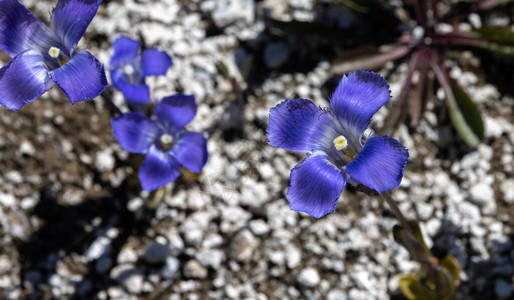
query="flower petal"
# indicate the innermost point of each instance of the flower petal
(70, 19)
(176, 111)
(23, 80)
(380, 163)
(132, 92)
(20, 30)
(158, 169)
(316, 185)
(356, 99)
(135, 132)
(299, 125)
(82, 78)
(125, 51)
(155, 62)
(191, 151)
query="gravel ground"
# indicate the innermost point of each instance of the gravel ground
(73, 227)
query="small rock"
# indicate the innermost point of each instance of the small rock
(507, 188)
(259, 227)
(336, 295)
(170, 268)
(276, 54)
(103, 264)
(7, 200)
(104, 160)
(193, 269)
(26, 149)
(101, 246)
(156, 253)
(482, 193)
(129, 277)
(502, 288)
(308, 277)
(231, 11)
(243, 245)
(293, 257)
(210, 257)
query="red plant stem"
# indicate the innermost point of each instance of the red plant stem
(459, 38)
(373, 61)
(396, 211)
(434, 8)
(111, 104)
(477, 7)
(404, 93)
(419, 11)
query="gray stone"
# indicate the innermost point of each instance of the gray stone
(507, 188)
(276, 54)
(103, 264)
(104, 160)
(26, 149)
(129, 277)
(210, 257)
(308, 277)
(231, 11)
(101, 246)
(337, 295)
(242, 246)
(259, 227)
(170, 268)
(156, 253)
(193, 269)
(502, 288)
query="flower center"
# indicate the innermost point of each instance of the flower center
(55, 53)
(341, 143)
(166, 141)
(128, 69)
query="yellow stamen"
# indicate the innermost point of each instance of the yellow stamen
(340, 142)
(54, 52)
(128, 69)
(350, 154)
(166, 139)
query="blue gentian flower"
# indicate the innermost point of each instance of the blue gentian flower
(45, 55)
(332, 139)
(129, 69)
(163, 140)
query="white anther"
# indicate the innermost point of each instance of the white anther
(340, 142)
(166, 139)
(54, 52)
(128, 69)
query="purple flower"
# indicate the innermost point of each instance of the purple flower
(129, 69)
(163, 140)
(332, 138)
(45, 55)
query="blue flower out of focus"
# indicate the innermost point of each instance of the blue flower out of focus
(332, 138)
(163, 140)
(45, 55)
(129, 69)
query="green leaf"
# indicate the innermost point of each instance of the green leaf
(499, 41)
(465, 116)
(502, 35)
(450, 263)
(410, 287)
(414, 244)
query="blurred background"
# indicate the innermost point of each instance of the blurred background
(73, 226)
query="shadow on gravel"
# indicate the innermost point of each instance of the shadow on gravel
(482, 276)
(69, 230)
